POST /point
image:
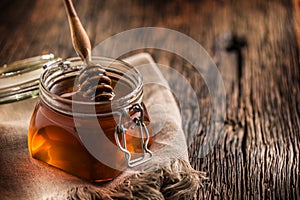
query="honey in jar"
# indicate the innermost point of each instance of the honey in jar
(90, 139)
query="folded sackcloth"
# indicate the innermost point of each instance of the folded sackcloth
(167, 176)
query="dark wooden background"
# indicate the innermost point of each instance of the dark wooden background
(254, 44)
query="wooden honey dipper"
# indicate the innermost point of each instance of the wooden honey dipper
(94, 83)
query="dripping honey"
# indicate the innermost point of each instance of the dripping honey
(53, 138)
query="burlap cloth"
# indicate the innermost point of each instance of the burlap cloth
(167, 176)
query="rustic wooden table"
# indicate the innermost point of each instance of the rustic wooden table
(253, 43)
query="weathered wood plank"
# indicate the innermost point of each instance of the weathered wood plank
(258, 149)
(296, 6)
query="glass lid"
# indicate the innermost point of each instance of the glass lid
(20, 79)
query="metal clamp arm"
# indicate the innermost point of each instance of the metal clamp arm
(120, 129)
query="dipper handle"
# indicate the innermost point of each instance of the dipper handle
(80, 39)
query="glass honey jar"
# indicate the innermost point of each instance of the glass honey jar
(94, 140)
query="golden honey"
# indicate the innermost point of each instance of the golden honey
(61, 122)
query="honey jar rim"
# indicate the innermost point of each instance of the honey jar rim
(124, 101)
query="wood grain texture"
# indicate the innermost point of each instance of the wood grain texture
(254, 45)
(296, 5)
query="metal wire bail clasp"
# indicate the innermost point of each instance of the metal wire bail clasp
(146, 154)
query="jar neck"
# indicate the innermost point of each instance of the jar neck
(60, 71)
